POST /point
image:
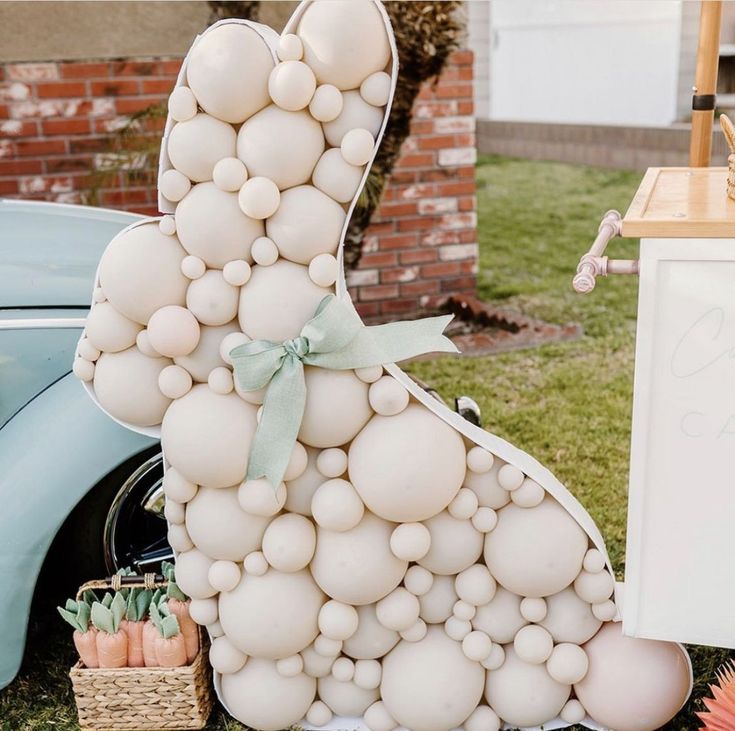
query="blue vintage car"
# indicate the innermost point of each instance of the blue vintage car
(80, 495)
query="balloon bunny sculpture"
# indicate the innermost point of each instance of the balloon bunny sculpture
(361, 556)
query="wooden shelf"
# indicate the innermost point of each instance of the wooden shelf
(681, 203)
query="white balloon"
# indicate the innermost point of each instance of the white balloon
(332, 462)
(109, 331)
(343, 669)
(535, 551)
(224, 575)
(255, 564)
(533, 644)
(210, 70)
(438, 602)
(212, 226)
(377, 718)
(336, 506)
(177, 487)
(272, 616)
(236, 272)
(483, 718)
(182, 104)
(346, 698)
(281, 145)
(528, 495)
(594, 588)
(211, 299)
(371, 640)
(457, 628)
(464, 505)
(418, 580)
(83, 369)
(323, 270)
(291, 85)
(464, 610)
(477, 645)
(394, 473)
(307, 223)
(206, 436)
(399, 610)
(430, 684)
(357, 146)
(258, 497)
(487, 488)
(220, 380)
(479, 460)
(510, 477)
(344, 42)
(126, 386)
(289, 542)
(475, 585)
(484, 519)
(259, 197)
(337, 620)
(523, 694)
(192, 569)
(195, 146)
(455, 544)
(334, 176)
(260, 697)
(204, 611)
(174, 185)
(356, 566)
(225, 657)
(264, 251)
(387, 396)
(173, 331)
(167, 225)
(220, 528)
(229, 174)
(206, 356)
(141, 272)
(86, 350)
(375, 89)
(192, 267)
(319, 714)
(174, 381)
(501, 618)
(356, 113)
(568, 663)
(416, 632)
(605, 611)
(533, 609)
(410, 541)
(290, 666)
(326, 104)
(569, 618)
(178, 538)
(297, 464)
(327, 647)
(278, 301)
(594, 561)
(573, 712)
(367, 674)
(290, 47)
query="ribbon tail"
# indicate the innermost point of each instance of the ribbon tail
(389, 343)
(283, 410)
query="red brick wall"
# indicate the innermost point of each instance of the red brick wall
(57, 124)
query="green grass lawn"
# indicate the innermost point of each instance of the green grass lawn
(567, 404)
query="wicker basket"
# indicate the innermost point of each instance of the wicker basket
(142, 698)
(731, 177)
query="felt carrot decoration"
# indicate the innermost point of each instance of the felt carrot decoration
(112, 643)
(150, 633)
(170, 645)
(77, 614)
(136, 612)
(178, 603)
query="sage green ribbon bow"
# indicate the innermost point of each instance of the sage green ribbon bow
(334, 338)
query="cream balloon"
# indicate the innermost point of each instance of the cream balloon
(224, 575)
(174, 381)
(230, 96)
(264, 251)
(500, 618)
(206, 436)
(438, 601)
(324, 270)
(229, 174)
(375, 89)
(177, 487)
(475, 585)
(259, 197)
(258, 497)
(569, 618)
(167, 225)
(346, 698)
(394, 473)
(528, 495)
(523, 694)
(272, 616)
(300, 490)
(324, 426)
(479, 460)
(212, 226)
(594, 588)
(281, 145)
(332, 462)
(195, 146)
(126, 386)
(182, 104)
(533, 644)
(316, 665)
(326, 104)
(291, 85)
(356, 114)
(220, 528)
(568, 663)
(388, 397)
(173, 185)
(307, 223)
(633, 684)
(290, 47)
(237, 272)
(290, 666)
(343, 669)
(483, 718)
(108, 331)
(140, 271)
(410, 541)
(336, 506)
(204, 611)
(344, 42)
(455, 544)
(192, 570)
(278, 301)
(334, 176)
(371, 640)
(486, 486)
(535, 551)
(206, 356)
(377, 718)
(399, 610)
(225, 657)
(357, 146)
(173, 331)
(289, 542)
(430, 684)
(212, 300)
(338, 621)
(356, 566)
(260, 697)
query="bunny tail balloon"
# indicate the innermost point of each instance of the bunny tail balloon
(362, 556)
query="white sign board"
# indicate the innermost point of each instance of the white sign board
(680, 566)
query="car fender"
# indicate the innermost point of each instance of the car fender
(52, 453)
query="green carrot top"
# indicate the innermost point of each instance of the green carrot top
(77, 614)
(107, 614)
(172, 590)
(165, 622)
